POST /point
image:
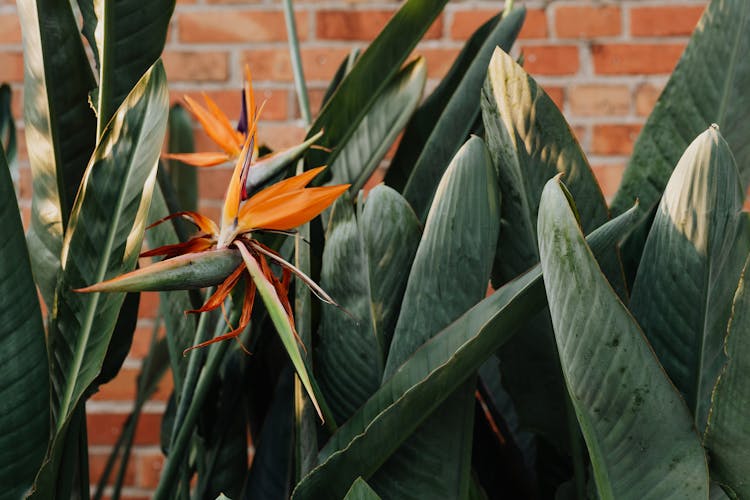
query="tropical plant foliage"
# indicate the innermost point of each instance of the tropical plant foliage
(591, 369)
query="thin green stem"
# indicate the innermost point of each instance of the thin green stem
(197, 357)
(299, 77)
(182, 434)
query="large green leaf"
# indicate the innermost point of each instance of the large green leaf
(450, 273)
(639, 433)
(102, 240)
(60, 127)
(458, 117)
(366, 263)
(184, 177)
(709, 85)
(374, 69)
(531, 142)
(8, 132)
(24, 382)
(368, 144)
(682, 296)
(360, 490)
(130, 36)
(728, 432)
(405, 400)
(427, 114)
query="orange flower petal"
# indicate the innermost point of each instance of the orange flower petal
(216, 111)
(214, 127)
(291, 184)
(199, 159)
(221, 293)
(290, 210)
(201, 221)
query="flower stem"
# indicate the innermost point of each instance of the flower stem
(299, 77)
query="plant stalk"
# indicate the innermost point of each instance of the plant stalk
(294, 53)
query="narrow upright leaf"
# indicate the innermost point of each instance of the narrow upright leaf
(639, 433)
(130, 36)
(728, 432)
(457, 118)
(709, 85)
(369, 143)
(450, 274)
(60, 127)
(103, 240)
(366, 262)
(24, 381)
(682, 295)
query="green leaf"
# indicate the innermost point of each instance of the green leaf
(24, 383)
(271, 469)
(405, 400)
(344, 68)
(450, 273)
(184, 177)
(60, 127)
(727, 434)
(278, 315)
(427, 114)
(130, 36)
(366, 147)
(372, 72)
(699, 93)
(122, 340)
(682, 296)
(366, 263)
(457, 119)
(102, 240)
(639, 433)
(8, 132)
(530, 142)
(360, 490)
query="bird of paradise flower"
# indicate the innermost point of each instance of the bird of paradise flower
(280, 207)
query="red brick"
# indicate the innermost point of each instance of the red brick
(213, 182)
(11, 66)
(551, 59)
(16, 101)
(97, 462)
(149, 466)
(222, 26)
(466, 22)
(319, 63)
(10, 29)
(105, 428)
(599, 100)
(361, 24)
(664, 20)
(123, 387)
(24, 183)
(588, 21)
(635, 59)
(614, 139)
(376, 178)
(439, 60)
(608, 177)
(646, 96)
(196, 66)
(149, 305)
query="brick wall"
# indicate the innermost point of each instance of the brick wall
(603, 62)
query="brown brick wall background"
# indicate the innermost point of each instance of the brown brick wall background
(603, 62)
